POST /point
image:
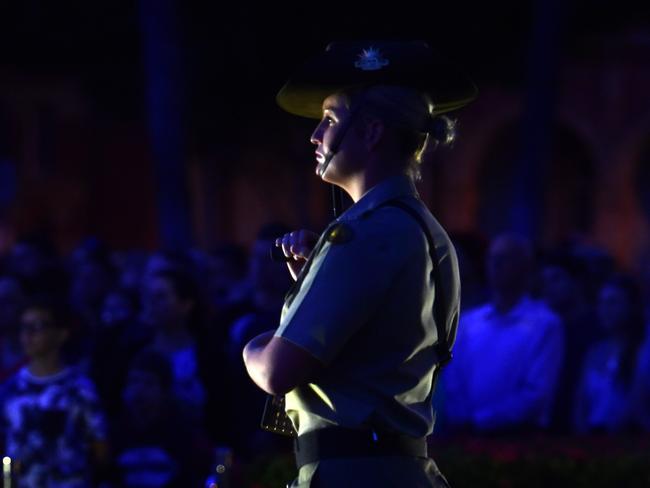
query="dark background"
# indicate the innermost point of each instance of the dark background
(117, 102)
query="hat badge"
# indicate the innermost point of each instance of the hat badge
(371, 60)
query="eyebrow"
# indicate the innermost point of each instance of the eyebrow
(333, 110)
(330, 104)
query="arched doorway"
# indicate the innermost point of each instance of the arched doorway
(567, 182)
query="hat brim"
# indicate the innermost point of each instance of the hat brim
(335, 71)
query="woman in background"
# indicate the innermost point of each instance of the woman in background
(613, 381)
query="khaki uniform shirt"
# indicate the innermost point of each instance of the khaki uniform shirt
(363, 306)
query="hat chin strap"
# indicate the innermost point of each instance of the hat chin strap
(322, 166)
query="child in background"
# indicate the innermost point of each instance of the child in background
(50, 416)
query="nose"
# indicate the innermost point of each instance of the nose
(317, 136)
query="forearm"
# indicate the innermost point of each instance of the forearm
(256, 362)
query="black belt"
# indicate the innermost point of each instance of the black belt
(338, 442)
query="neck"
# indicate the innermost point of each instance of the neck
(46, 365)
(359, 184)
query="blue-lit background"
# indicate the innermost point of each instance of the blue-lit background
(145, 171)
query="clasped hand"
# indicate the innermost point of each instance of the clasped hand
(297, 245)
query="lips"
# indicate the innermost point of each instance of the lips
(320, 157)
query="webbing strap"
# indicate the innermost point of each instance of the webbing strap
(442, 346)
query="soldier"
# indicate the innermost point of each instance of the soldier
(360, 340)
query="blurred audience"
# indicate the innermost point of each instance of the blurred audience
(121, 335)
(155, 444)
(161, 334)
(54, 429)
(613, 390)
(562, 286)
(508, 352)
(172, 307)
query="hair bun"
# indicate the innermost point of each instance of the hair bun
(442, 129)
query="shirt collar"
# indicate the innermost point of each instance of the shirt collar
(388, 189)
(28, 376)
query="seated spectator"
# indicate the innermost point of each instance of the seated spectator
(119, 338)
(156, 446)
(12, 301)
(508, 352)
(172, 307)
(54, 428)
(614, 378)
(561, 287)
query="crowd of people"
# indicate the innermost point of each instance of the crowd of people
(126, 367)
(555, 342)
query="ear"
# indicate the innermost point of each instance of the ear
(373, 132)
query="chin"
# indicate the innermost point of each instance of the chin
(330, 175)
(332, 181)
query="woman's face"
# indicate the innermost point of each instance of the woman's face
(326, 136)
(613, 308)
